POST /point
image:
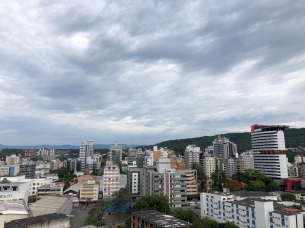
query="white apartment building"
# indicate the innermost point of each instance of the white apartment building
(89, 191)
(110, 179)
(4, 170)
(209, 165)
(14, 196)
(86, 149)
(46, 152)
(249, 212)
(248, 160)
(149, 160)
(191, 154)
(36, 183)
(224, 148)
(269, 152)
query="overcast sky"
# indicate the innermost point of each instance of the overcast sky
(143, 72)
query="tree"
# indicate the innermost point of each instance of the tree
(256, 181)
(62, 172)
(185, 215)
(288, 197)
(152, 202)
(201, 176)
(96, 213)
(128, 222)
(256, 186)
(205, 222)
(228, 225)
(218, 179)
(120, 198)
(233, 185)
(272, 187)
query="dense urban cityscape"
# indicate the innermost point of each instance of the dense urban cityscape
(156, 186)
(152, 114)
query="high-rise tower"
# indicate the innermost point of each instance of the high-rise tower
(86, 149)
(269, 152)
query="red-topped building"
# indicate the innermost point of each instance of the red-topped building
(269, 152)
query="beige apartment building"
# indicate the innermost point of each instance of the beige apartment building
(191, 181)
(111, 179)
(89, 191)
(209, 165)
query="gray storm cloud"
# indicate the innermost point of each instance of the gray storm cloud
(147, 71)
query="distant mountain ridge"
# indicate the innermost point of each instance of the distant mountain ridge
(294, 137)
(35, 147)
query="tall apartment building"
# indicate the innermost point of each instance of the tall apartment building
(235, 165)
(132, 155)
(224, 148)
(12, 159)
(248, 160)
(164, 180)
(110, 179)
(209, 165)
(115, 154)
(86, 149)
(191, 154)
(135, 181)
(191, 181)
(89, 191)
(29, 154)
(269, 152)
(28, 170)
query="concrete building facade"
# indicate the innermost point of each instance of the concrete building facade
(110, 179)
(269, 151)
(86, 149)
(191, 154)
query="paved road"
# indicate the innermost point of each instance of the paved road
(196, 211)
(78, 219)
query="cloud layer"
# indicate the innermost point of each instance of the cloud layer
(147, 71)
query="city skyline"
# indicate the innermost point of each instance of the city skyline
(148, 72)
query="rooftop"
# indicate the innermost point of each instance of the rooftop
(48, 204)
(74, 187)
(278, 208)
(161, 220)
(245, 193)
(34, 220)
(13, 207)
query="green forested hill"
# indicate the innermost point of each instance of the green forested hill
(294, 137)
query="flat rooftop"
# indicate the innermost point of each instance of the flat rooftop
(13, 207)
(161, 220)
(48, 205)
(34, 220)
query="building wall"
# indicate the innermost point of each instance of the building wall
(111, 179)
(89, 190)
(269, 152)
(223, 209)
(14, 195)
(60, 223)
(191, 154)
(209, 165)
(11, 217)
(191, 181)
